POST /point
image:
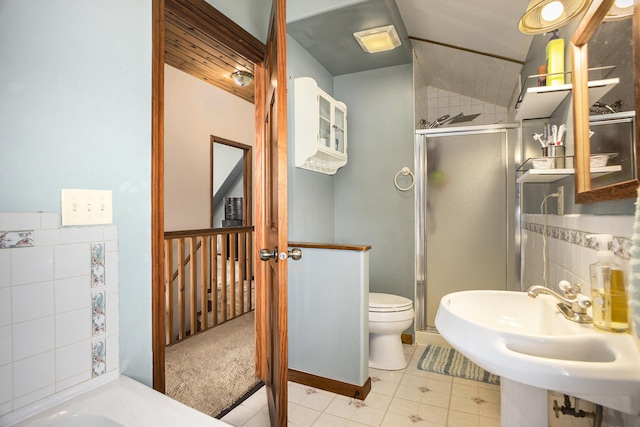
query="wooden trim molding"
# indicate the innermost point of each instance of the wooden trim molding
(157, 196)
(334, 386)
(361, 248)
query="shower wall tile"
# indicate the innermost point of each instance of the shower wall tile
(570, 251)
(6, 351)
(72, 294)
(5, 269)
(72, 361)
(31, 265)
(46, 316)
(32, 301)
(16, 239)
(99, 358)
(72, 260)
(34, 373)
(97, 264)
(50, 221)
(47, 237)
(113, 353)
(33, 337)
(19, 221)
(441, 102)
(5, 306)
(112, 279)
(72, 327)
(98, 312)
(6, 379)
(82, 234)
(113, 318)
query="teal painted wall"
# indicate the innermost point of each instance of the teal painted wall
(369, 209)
(75, 112)
(311, 213)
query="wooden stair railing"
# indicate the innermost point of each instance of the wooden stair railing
(218, 288)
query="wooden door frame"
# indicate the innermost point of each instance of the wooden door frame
(247, 177)
(230, 34)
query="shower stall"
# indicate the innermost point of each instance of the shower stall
(467, 214)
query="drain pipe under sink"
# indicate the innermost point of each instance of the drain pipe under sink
(567, 409)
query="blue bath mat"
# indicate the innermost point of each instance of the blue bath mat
(448, 361)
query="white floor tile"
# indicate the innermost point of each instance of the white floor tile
(408, 397)
(239, 416)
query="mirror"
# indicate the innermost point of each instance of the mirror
(611, 139)
(230, 183)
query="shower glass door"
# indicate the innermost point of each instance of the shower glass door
(465, 211)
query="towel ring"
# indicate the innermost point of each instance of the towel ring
(404, 171)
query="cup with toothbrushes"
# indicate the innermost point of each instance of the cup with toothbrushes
(552, 142)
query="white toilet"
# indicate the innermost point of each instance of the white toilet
(389, 316)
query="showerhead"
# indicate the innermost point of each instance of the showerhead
(447, 120)
(460, 118)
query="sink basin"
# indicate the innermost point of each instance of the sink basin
(528, 341)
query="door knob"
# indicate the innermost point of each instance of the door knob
(266, 254)
(295, 254)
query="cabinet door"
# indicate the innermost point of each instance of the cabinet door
(324, 124)
(339, 128)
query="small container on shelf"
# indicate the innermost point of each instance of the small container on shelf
(543, 163)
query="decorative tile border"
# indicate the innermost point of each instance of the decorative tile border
(99, 358)
(620, 246)
(98, 300)
(16, 239)
(97, 264)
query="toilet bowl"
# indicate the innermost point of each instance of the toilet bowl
(389, 316)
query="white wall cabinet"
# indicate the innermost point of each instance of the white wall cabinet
(320, 128)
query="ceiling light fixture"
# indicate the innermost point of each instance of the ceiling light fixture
(621, 9)
(378, 39)
(543, 16)
(242, 78)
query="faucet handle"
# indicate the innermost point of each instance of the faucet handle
(583, 301)
(566, 287)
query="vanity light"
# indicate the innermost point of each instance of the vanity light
(242, 78)
(543, 16)
(378, 39)
(621, 9)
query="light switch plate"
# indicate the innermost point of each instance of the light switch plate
(86, 207)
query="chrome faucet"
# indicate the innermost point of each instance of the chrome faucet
(573, 305)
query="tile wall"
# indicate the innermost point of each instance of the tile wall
(58, 306)
(570, 253)
(432, 103)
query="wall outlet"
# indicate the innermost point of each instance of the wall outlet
(561, 200)
(86, 207)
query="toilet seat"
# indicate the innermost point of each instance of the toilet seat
(388, 303)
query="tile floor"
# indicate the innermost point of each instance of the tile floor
(409, 397)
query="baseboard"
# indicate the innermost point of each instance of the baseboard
(334, 386)
(426, 338)
(407, 339)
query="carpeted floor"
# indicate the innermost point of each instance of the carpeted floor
(213, 369)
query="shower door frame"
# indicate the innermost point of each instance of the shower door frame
(511, 160)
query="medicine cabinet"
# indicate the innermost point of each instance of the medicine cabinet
(320, 128)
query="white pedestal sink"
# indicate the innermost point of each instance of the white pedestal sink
(534, 348)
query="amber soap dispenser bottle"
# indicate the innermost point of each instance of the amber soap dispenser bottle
(608, 290)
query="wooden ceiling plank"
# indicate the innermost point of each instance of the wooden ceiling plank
(210, 21)
(183, 42)
(183, 30)
(203, 73)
